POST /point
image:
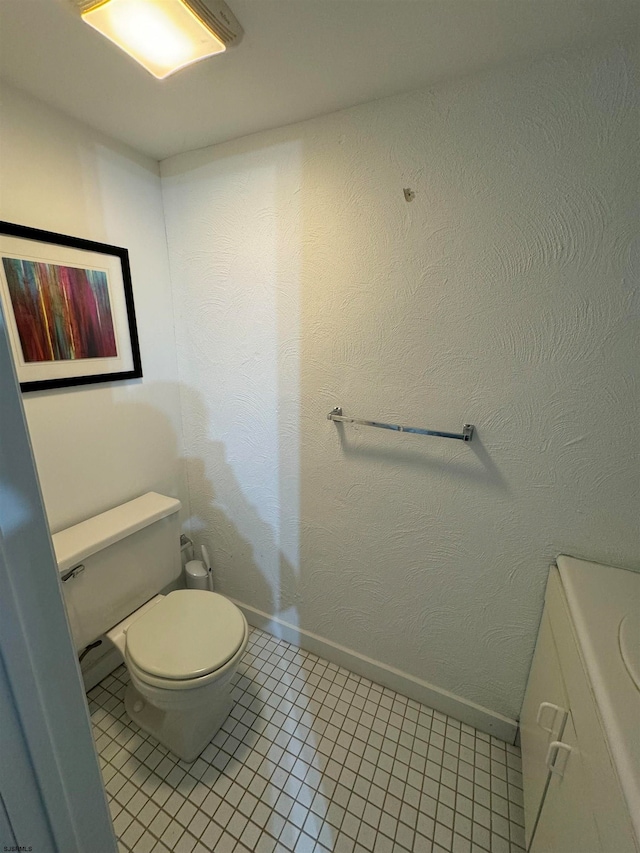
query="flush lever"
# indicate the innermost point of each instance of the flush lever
(72, 573)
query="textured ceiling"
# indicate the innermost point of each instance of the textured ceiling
(299, 58)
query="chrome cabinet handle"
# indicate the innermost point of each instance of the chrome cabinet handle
(559, 717)
(557, 757)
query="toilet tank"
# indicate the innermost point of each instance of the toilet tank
(123, 557)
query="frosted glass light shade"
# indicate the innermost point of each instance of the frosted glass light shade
(162, 35)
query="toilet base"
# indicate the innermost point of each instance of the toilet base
(185, 733)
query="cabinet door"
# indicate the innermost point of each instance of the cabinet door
(540, 722)
(607, 802)
(566, 823)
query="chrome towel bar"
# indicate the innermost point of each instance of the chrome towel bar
(465, 435)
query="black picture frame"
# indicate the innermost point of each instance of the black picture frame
(21, 244)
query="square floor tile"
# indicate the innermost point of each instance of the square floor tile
(312, 759)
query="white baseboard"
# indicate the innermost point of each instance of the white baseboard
(93, 671)
(434, 697)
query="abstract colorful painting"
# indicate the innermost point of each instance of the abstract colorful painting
(68, 306)
(61, 312)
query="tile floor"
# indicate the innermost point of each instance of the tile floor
(313, 759)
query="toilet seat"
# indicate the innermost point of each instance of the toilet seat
(187, 639)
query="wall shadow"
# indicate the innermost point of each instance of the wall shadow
(487, 476)
(248, 564)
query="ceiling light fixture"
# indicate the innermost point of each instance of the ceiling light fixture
(164, 35)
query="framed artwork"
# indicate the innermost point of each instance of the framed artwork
(68, 306)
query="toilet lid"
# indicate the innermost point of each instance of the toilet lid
(191, 632)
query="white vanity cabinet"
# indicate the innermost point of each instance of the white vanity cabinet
(580, 722)
(543, 719)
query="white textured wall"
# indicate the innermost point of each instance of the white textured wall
(97, 445)
(504, 295)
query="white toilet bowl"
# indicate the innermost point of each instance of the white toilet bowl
(181, 651)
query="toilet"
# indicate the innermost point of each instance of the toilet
(181, 648)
